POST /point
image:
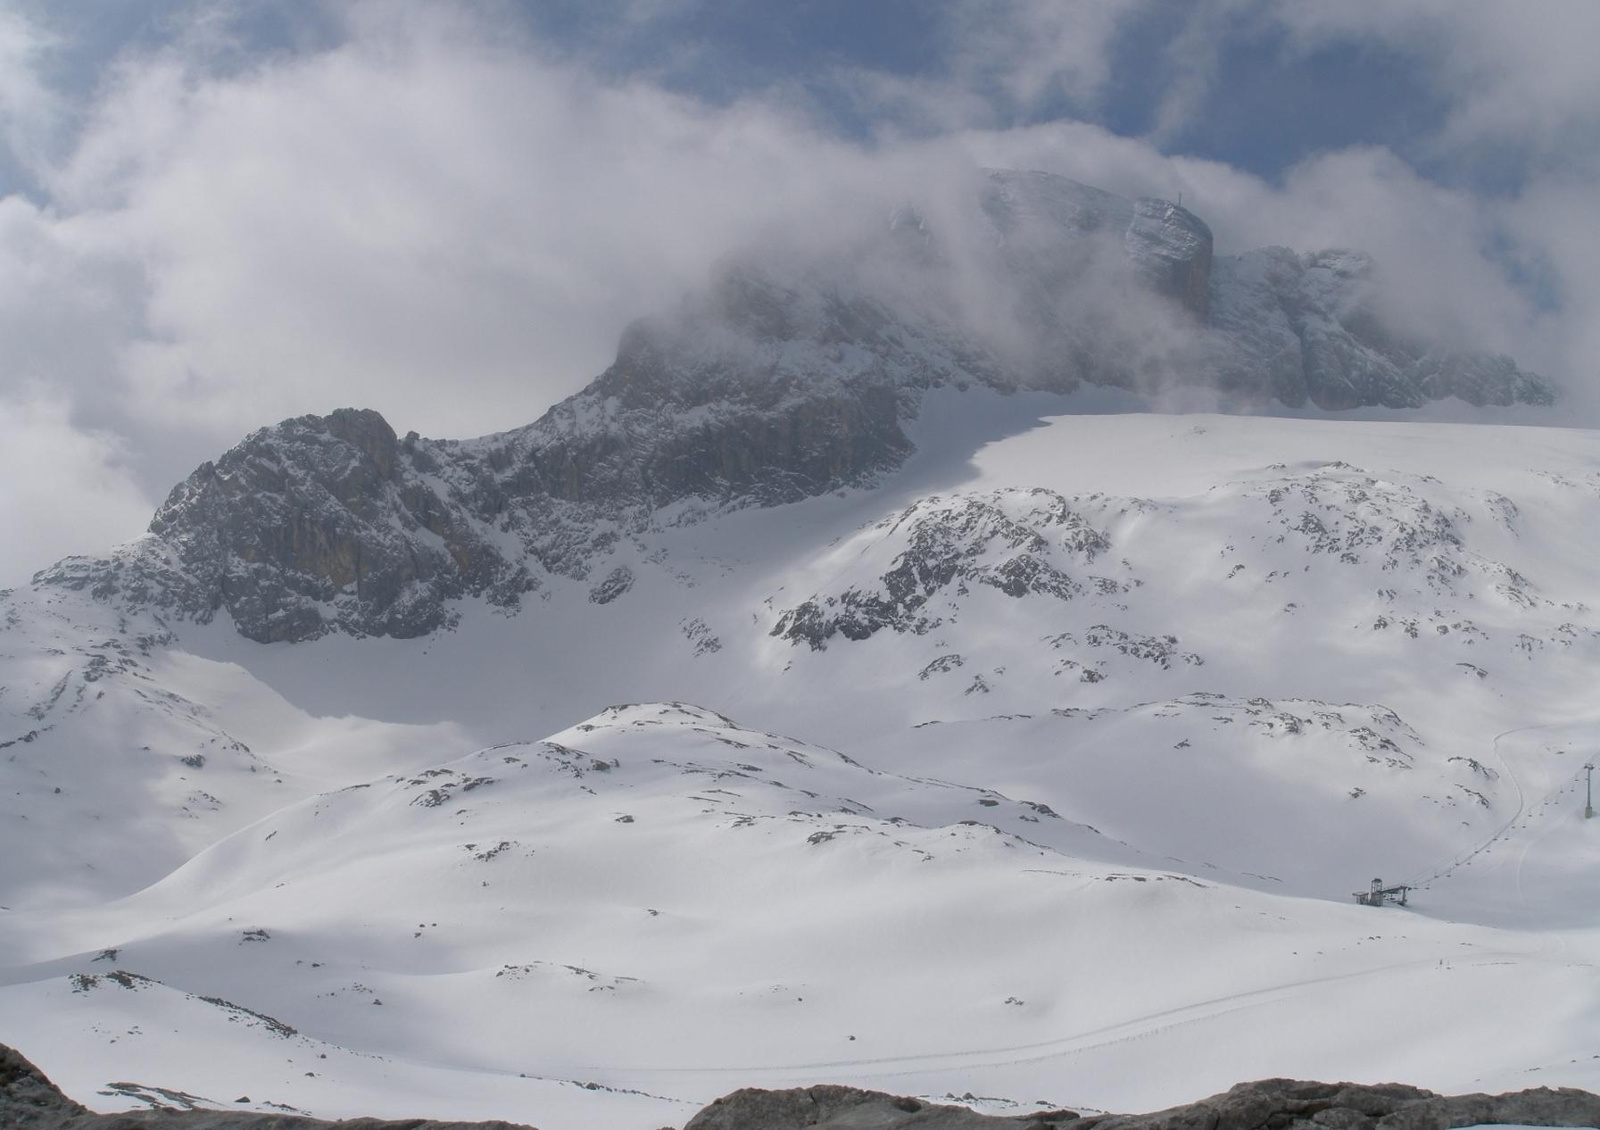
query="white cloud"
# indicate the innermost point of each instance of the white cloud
(1038, 50)
(1555, 221)
(69, 492)
(428, 223)
(1525, 100)
(443, 222)
(1515, 74)
(70, 298)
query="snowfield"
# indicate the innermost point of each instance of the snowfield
(1042, 773)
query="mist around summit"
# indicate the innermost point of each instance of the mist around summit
(215, 219)
(561, 575)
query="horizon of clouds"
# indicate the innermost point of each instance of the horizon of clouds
(449, 212)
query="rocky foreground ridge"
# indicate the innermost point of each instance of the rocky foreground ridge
(784, 379)
(29, 1101)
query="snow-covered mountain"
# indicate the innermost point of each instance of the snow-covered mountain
(781, 382)
(836, 691)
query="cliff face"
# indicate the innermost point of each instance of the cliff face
(319, 523)
(1049, 226)
(780, 381)
(757, 392)
(1311, 329)
(327, 519)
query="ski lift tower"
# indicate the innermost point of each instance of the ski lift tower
(1588, 791)
(1380, 895)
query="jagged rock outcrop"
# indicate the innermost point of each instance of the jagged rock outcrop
(846, 1108)
(756, 391)
(1278, 1104)
(1017, 542)
(1288, 1104)
(316, 523)
(782, 380)
(331, 518)
(29, 1101)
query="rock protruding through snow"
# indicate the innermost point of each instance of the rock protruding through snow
(29, 1101)
(1282, 1104)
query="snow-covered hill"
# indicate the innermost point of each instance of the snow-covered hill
(321, 795)
(1095, 723)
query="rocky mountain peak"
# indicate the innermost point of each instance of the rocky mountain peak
(368, 432)
(1053, 227)
(321, 520)
(778, 381)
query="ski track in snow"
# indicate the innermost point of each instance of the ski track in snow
(1135, 1028)
(1499, 833)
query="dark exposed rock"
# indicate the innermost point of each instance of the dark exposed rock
(1021, 542)
(27, 1098)
(846, 1108)
(613, 585)
(1287, 1104)
(1172, 247)
(29, 1101)
(327, 519)
(1271, 1104)
(322, 523)
(746, 393)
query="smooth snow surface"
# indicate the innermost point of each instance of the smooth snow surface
(1062, 796)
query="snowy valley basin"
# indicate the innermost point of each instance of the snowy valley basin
(1041, 772)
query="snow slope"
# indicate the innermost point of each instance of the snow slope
(1098, 720)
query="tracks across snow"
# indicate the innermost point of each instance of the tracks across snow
(1503, 861)
(1123, 1031)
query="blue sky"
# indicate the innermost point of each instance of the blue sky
(217, 213)
(1275, 101)
(1276, 107)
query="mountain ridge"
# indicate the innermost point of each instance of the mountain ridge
(763, 389)
(1264, 659)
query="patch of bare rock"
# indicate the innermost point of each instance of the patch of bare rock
(29, 1101)
(1270, 1104)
